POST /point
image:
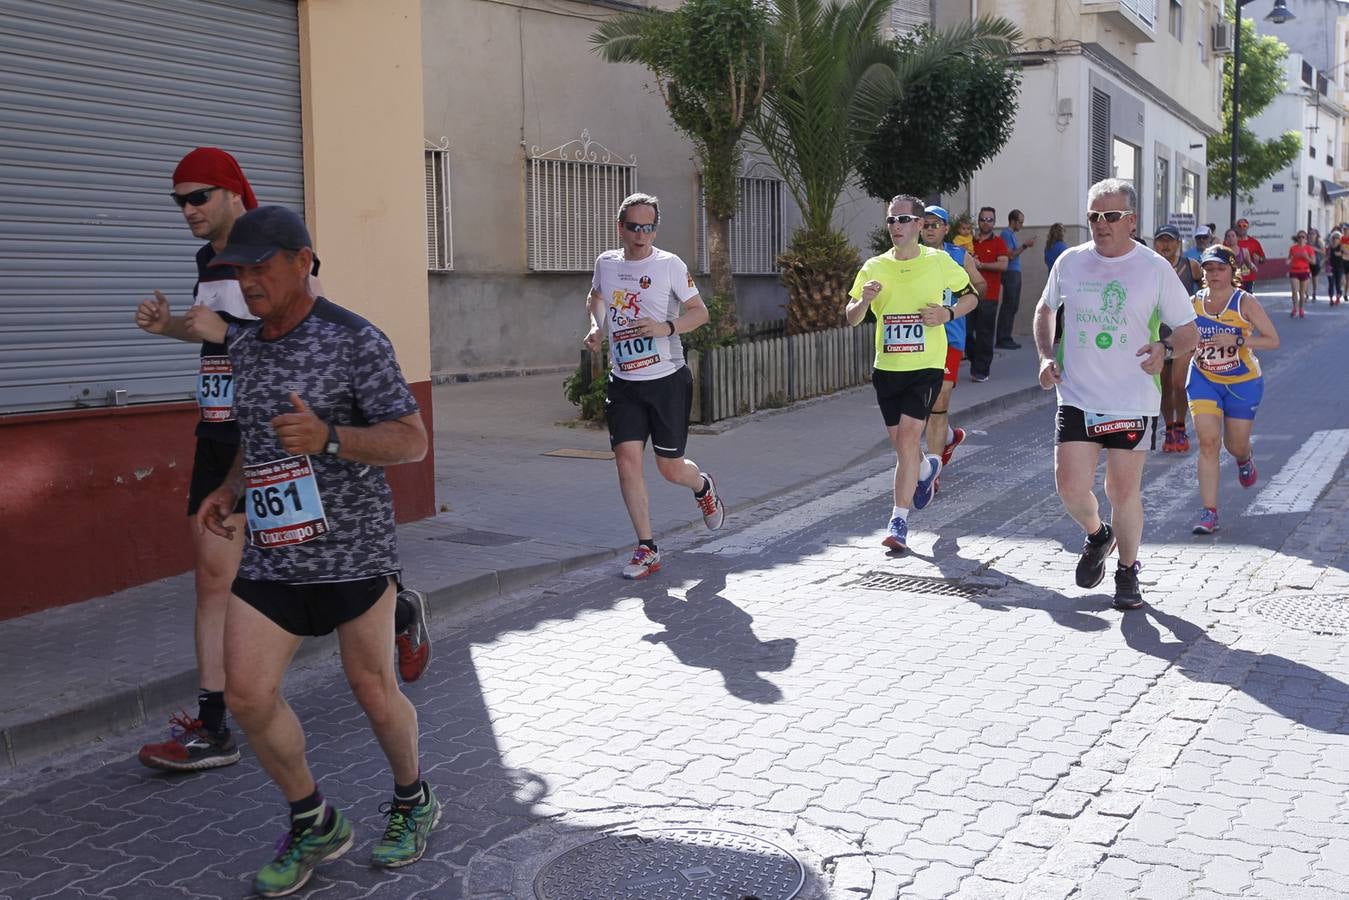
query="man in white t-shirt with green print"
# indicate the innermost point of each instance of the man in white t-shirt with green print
(1115, 293)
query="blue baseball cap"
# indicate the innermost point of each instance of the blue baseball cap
(259, 233)
(1219, 253)
(938, 212)
(1169, 231)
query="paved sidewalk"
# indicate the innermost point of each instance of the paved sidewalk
(510, 516)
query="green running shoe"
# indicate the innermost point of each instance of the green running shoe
(298, 853)
(405, 836)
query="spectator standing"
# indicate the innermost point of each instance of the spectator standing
(1011, 280)
(991, 252)
(1203, 237)
(1054, 244)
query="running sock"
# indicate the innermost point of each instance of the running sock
(403, 615)
(707, 486)
(925, 469)
(1101, 535)
(211, 710)
(648, 542)
(900, 512)
(409, 794)
(312, 812)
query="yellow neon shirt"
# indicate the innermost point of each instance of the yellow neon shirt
(903, 343)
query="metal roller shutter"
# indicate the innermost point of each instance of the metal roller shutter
(100, 100)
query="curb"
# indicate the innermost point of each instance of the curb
(129, 707)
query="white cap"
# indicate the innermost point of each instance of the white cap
(1202, 231)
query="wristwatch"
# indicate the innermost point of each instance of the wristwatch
(1169, 352)
(333, 444)
(1241, 340)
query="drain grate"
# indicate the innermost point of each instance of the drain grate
(918, 584)
(673, 864)
(1328, 615)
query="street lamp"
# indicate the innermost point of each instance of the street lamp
(1278, 15)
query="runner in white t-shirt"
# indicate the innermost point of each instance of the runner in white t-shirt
(1115, 293)
(635, 299)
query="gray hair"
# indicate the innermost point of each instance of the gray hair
(1114, 186)
(632, 200)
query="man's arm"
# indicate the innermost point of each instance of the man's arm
(856, 310)
(1043, 330)
(153, 315)
(594, 309)
(998, 265)
(390, 443)
(976, 279)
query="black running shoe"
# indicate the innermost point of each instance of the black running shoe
(1091, 564)
(1127, 594)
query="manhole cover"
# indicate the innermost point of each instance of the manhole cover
(1308, 612)
(479, 538)
(921, 584)
(673, 864)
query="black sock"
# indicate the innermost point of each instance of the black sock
(648, 542)
(409, 794)
(403, 614)
(707, 486)
(1101, 535)
(312, 811)
(211, 710)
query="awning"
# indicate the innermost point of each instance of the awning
(1334, 191)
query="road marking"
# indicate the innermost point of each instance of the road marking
(1306, 474)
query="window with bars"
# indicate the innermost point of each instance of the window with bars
(439, 242)
(1100, 135)
(758, 235)
(570, 209)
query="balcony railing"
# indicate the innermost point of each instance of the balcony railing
(1139, 17)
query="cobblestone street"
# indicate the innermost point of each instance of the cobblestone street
(959, 721)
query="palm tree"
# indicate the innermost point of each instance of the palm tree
(834, 76)
(710, 62)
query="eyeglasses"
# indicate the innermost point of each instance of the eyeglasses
(194, 198)
(1110, 215)
(901, 219)
(983, 219)
(936, 224)
(638, 228)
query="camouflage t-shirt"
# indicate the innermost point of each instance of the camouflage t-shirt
(316, 518)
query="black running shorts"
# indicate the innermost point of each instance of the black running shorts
(312, 609)
(906, 393)
(1111, 432)
(658, 409)
(210, 464)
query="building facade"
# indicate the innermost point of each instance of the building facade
(99, 103)
(1110, 88)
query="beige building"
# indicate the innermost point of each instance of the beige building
(1110, 88)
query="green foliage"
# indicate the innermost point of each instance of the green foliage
(714, 333)
(818, 269)
(1262, 80)
(588, 393)
(949, 121)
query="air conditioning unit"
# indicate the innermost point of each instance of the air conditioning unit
(1221, 42)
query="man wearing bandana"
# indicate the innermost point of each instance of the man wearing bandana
(212, 191)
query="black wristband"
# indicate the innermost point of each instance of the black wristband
(672, 329)
(953, 313)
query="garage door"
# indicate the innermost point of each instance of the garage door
(99, 99)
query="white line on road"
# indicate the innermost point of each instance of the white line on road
(1305, 475)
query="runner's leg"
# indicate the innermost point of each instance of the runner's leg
(1209, 428)
(937, 421)
(682, 471)
(632, 484)
(905, 438)
(364, 643)
(1236, 438)
(1074, 477)
(257, 654)
(1123, 483)
(217, 562)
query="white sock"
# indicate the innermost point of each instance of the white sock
(925, 468)
(900, 512)
(950, 434)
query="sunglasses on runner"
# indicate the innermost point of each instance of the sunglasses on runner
(194, 198)
(638, 228)
(1110, 215)
(901, 219)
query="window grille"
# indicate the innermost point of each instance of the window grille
(908, 15)
(758, 235)
(572, 195)
(1100, 135)
(439, 241)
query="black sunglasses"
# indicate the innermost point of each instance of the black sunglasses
(901, 220)
(638, 228)
(195, 198)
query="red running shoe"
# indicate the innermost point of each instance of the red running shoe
(190, 748)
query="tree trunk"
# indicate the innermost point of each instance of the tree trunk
(817, 271)
(723, 284)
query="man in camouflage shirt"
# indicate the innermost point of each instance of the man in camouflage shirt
(322, 407)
